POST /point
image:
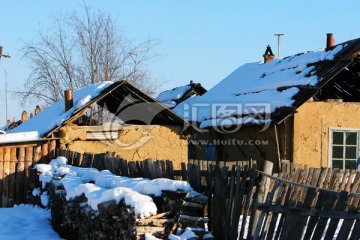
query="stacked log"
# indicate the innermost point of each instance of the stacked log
(75, 219)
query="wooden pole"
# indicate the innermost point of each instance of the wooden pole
(260, 195)
(277, 147)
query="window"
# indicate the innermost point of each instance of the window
(210, 152)
(344, 149)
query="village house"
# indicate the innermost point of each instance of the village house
(133, 125)
(303, 108)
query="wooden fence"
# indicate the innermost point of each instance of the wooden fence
(16, 164)
(245, 200)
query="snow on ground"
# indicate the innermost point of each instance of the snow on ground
(107, 186)
(26, 222)
(255, 83)
(55, 114)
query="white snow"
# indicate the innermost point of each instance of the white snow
(55, 114)
(36, 192)
(169, 97)
(26, 222)
(187, 234)
(148, 236)
(44, 199)
(107, 186)
(19, 137)
(255, 84)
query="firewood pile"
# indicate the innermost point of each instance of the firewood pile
(75, 219)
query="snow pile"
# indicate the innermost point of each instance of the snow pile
(26, 222)
(106, 186)
(55, 114)
(255, 84)
(187, 234)
(19, 137)
(169, 98)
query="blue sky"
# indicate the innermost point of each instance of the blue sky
(200, 40)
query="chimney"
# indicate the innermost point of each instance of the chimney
(268, 55)
(37, 110)
(330, 42)
(24, 116)
(68, 99)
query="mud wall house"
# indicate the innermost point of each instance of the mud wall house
(134, 125)
(304, 108)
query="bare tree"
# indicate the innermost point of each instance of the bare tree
(79, 49)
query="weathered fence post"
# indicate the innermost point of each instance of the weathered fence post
(260, 194)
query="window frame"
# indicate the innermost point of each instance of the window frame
(330, 148)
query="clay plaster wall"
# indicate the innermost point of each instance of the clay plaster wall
(135, 143)
(312, 124)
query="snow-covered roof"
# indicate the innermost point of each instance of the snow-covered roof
(120, 98)
(170, 97)
(256, 90)
(55, 114)
(173, 97)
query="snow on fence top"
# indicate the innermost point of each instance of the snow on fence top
(18, 137)
(107, 186)
(55, 114)
(257, 83)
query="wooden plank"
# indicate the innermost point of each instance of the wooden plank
(229, 204)
(340, 206)
(1, 173)
(335, 179)
(286, 219)
(334, 214)
(77, 159)
(278, 195)
(355, 234)
(27, 172)
(45, 153)
(12, 177)
(328, 204)
(322, 177)
(210, 189)
(298, 223)
(350, 180)
(51, 148)
(6, 173)
(313, 220)
(37, 153)
(263, 223)
(220, 188)
(315, 177)
(169, 169)
(20, 173)
(238, 200)
(287, 201)
(260, 195)
(344, 180)
(251, 175)
(183, 172)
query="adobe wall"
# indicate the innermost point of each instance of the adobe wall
(135, 143)
(311, 129)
